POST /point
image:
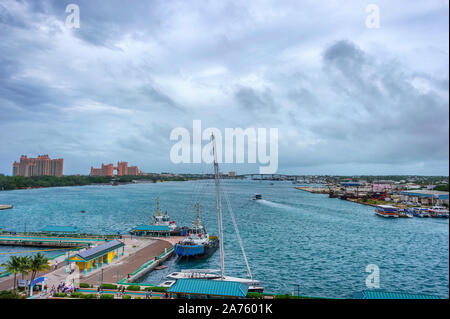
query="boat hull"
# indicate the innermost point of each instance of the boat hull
(387, 215)
(196, 251)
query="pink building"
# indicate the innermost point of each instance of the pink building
(40, 166)
(108, 170)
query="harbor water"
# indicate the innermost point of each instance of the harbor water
(291, 237)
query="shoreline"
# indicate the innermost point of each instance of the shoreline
(99, 184)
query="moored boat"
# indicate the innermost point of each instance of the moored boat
(419, 212)
(386, 211)
(404, 213)
(198, 243)
(438, 211)
(162, 219)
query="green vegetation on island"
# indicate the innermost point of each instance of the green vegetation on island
(20, 182)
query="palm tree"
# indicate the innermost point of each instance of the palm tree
(38, 263)
(24, 265)
(13, 265)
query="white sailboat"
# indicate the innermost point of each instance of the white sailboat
(219, 274)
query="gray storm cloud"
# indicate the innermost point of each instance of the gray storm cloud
(346, 99)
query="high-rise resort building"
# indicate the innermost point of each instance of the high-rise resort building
(108, 170)
(40, 166)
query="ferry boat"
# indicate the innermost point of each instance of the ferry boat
(386, 211)
(257, 196)
(419, 212)
(162, 219)
(438, 211)
(198, 243)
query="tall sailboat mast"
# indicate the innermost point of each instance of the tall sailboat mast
(219, 208)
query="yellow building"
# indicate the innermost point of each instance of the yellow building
(94, 257)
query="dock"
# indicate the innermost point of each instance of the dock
(138, 257)
(6, 207)
(47, 241)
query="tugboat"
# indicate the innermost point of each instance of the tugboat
(257, 196)
(162, 219)
(198, 243)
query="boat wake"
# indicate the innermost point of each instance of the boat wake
(273, 204)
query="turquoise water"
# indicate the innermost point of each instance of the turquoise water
(291, 237)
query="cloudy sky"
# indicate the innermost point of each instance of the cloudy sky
(346, 99)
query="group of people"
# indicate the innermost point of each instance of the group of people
(62, 287)
(120, 292)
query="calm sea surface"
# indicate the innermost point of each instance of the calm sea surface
(291, 237)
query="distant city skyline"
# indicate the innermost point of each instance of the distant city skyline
(346, 98)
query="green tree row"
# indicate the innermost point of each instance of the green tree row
(18, 182)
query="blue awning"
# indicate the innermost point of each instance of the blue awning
(59, 229)
(150, 228)
(379, 294)
(209, 287)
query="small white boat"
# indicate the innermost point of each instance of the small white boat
(257, 196)
(195, 273)
(167, 283)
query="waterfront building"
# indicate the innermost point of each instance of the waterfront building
(133, 170)
(92, 258)
(382, 186)
(42, 165)
(425, 197)
(121, 168)
(207, 289)
(105, 170)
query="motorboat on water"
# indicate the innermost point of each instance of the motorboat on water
(257, 196)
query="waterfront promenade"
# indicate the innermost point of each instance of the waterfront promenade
(137, 252)
(148, 250)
